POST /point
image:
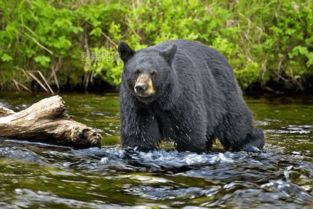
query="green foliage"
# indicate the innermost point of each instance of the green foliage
(262, 40)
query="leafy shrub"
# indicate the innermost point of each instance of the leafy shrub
(262, 40)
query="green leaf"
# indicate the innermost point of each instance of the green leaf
(96, 32)
(6, 58)
(43, 60)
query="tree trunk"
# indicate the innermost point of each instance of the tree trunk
(47, 121)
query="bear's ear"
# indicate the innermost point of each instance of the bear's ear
(169, 53)
(125, 51)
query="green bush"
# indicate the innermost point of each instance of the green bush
(262, 40)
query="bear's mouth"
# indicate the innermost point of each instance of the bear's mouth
(143, 95)
(145, 99)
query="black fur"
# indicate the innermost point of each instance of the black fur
(197, 100)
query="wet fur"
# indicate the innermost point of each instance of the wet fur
(198, 101)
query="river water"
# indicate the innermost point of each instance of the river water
(37, 175)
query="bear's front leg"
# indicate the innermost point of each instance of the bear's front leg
(139, 130)
(190, 135)
(192, 142)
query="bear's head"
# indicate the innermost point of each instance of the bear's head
(147, 72)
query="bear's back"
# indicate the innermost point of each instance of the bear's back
(207, 64)
(201, 55)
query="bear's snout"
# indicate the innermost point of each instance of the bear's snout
(141, 88)
(144, 86)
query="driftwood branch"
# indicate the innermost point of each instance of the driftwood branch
(5, 111)
(47, 121)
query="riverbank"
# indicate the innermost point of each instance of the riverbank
(281, 87)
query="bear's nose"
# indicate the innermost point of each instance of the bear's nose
(140, 88)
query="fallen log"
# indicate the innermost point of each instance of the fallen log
(5, 111)
(47, 121)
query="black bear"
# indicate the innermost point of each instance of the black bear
(185, 92)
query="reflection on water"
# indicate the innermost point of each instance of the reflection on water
(36, 175)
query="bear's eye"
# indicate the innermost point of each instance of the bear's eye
(153, 73)
(138, 71)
